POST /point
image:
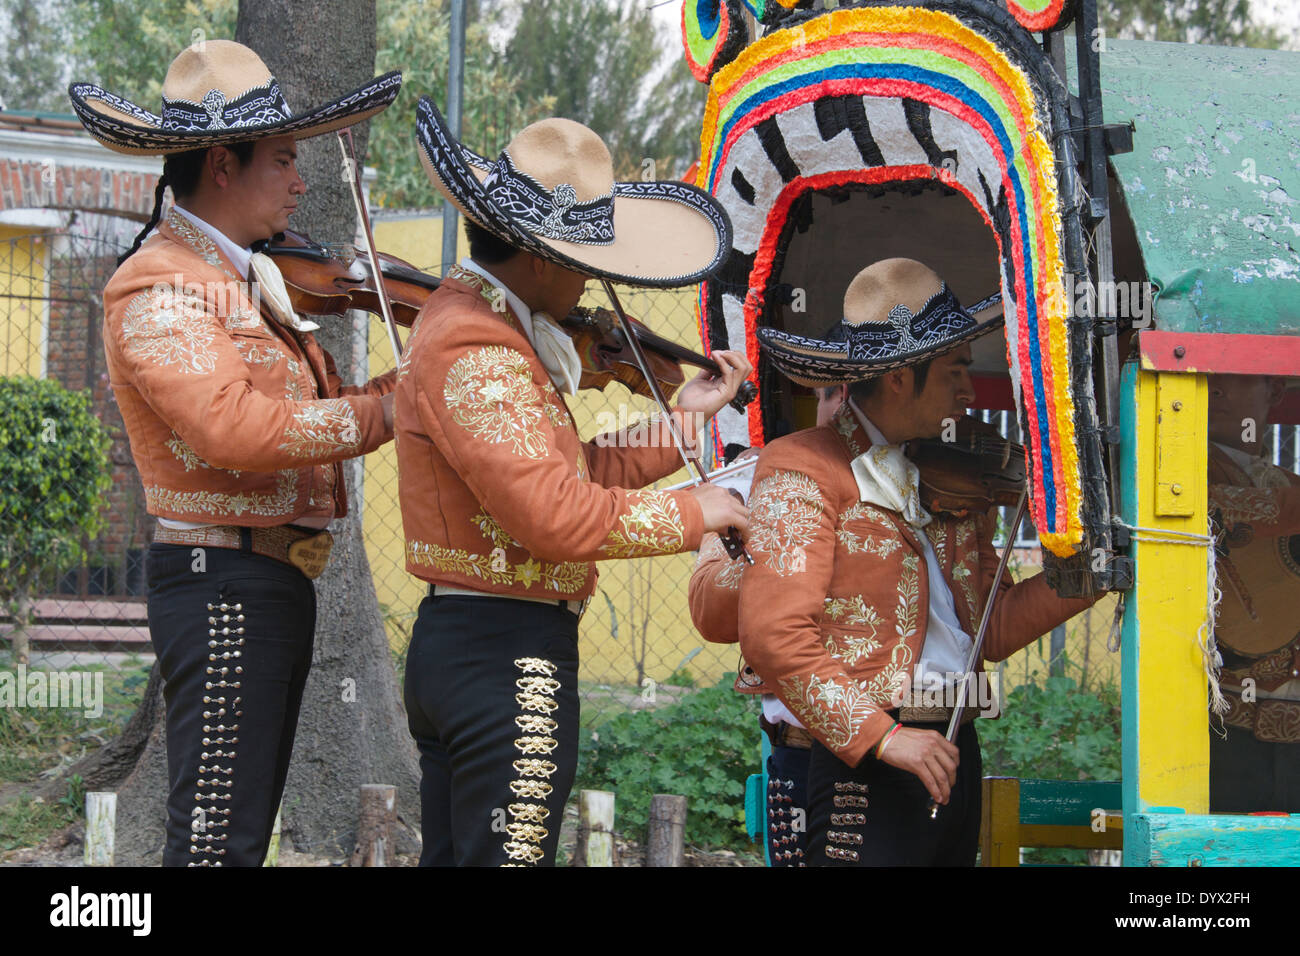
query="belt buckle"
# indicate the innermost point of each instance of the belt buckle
(310, 555)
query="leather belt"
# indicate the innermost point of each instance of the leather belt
(933, 715)
(786, 735)
(306, 549)
(572, 605)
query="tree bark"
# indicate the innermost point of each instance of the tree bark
(352, 729)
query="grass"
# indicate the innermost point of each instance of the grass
(37, 741)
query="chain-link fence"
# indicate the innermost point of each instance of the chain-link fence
(83, 615)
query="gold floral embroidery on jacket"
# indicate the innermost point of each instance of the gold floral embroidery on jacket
(258, 353)
(195, 238)
(846, 423)
(278, 503)
(784, 515)
(850, 648)
(186, 455)
(651, 525)
(1244, 504)
(491, 394)
(966, 563)
(322, 428)
(491, 529)
(835, 707)
(856, 543)
(852, 611)
(240, 319)
(168, 329)
(566, 577)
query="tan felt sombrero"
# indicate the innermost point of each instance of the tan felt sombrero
(552, 192)
(219, 92)
(897, 312)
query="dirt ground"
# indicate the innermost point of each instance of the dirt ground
(66, 848)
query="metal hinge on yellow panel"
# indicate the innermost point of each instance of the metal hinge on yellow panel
(1180, 444)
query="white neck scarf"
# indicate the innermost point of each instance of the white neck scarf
(886, 477)
(271, 288)
(553, 346)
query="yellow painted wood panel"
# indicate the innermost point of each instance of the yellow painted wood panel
(1170, 598)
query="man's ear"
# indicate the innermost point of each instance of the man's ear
(221, 165)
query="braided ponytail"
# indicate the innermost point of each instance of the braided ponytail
(153, 219)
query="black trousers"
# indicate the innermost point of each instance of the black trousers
(787, 806)
(233, 633)
(878, 815)
(1248, 775)
(492, 702)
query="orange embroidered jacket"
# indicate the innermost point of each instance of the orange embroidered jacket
(834, 610)
(1257, 511)
(498, 494)
(232, 417)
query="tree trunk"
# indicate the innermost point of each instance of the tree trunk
(352, 729)
(352, 726)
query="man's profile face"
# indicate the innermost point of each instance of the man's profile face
(948, 392)
(267, 188)
(562, 289)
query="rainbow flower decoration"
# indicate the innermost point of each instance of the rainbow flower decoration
(864, 97)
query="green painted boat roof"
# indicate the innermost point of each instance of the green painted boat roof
(1213, 182)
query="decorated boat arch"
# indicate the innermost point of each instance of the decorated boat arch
(1128, 258)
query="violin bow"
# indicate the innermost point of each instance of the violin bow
(731, 540)
(972, 659)
(354, 180)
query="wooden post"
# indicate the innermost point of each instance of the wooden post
(375, 826)
(273, 848)
(595, 846)
(1165, 729)
(101, 815)
(667, 831)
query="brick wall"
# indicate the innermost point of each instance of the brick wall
(50, 184)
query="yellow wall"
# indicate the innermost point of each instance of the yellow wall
(23, 311)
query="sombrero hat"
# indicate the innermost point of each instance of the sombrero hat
(552, 192)
(897, 312)
(218, 92)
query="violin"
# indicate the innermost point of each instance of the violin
(321, 283)
(978, 470)
(607, 357)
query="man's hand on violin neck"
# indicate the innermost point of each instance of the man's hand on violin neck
(706, 393)
(720, 508)
(928, 755)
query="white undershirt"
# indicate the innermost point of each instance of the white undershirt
(946, 645)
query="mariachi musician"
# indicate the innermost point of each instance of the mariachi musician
(1255, 756)
(238, 423)
(859, 596)
(504, 508)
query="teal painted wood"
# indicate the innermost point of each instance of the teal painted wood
(1212, 181)
(756, 798)
(1066, 802)
(755, 787)
(1165, 839)
(1129, 638)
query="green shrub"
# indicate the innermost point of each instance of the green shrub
(702, 747)
(53, 475)
(1054, 732)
